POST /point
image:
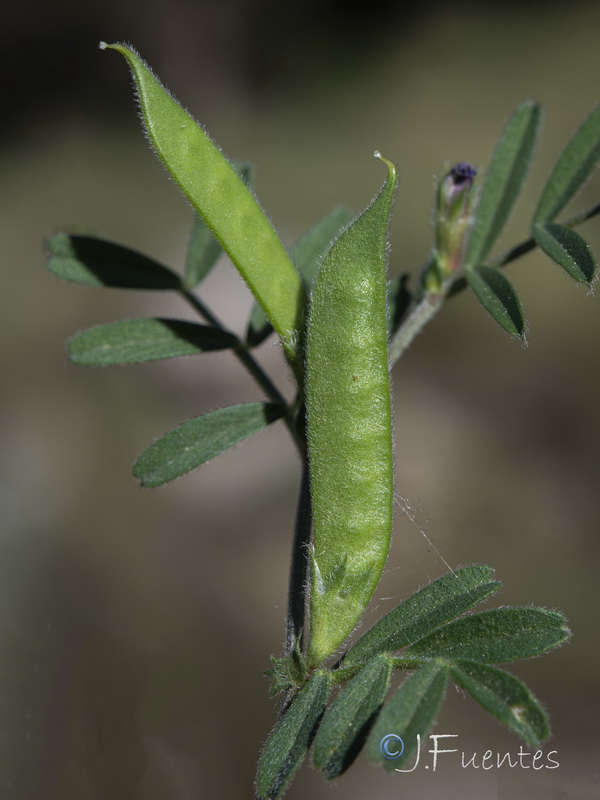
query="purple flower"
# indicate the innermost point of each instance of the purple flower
(463, 172)
(457, 183)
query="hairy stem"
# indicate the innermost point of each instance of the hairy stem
(247, 359)
(425, 310)
(298, 587)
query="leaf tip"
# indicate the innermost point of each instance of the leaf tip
(531, 103)
(522, 336)
(144, 482)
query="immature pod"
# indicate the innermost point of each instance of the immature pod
(349, 426)
(219, 194)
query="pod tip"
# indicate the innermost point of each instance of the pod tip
(390, 165)
(102, 45)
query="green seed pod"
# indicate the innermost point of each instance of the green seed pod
(349, 426)
(219, 195)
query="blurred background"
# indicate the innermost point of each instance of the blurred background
(136, 623)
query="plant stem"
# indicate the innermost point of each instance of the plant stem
(425, 310)
(298, 587)
(582, 216)
(248, 360)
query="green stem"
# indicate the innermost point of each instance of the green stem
(298, 587)
(343, 674)
(425, 310)
(582, 216)
(247, 359)
(202, 309)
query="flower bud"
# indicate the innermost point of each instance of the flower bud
(455, 188)
(454, 199)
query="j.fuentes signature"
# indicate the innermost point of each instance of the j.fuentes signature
(392, 746)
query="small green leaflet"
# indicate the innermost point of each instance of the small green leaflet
(504, 696)
(497, 295)
(133, 341)
(197, 440)
(573, 168)
(409, 714)
(568, 249)
(504, 180)
(202, 253)
(308, 251)
(346, 724)
(496, 636)
(441, 600)
(93, 261)
(291, 737)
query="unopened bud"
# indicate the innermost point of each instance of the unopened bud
(454, 198)
(455, 190)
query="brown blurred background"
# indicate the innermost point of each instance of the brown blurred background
(136, 624)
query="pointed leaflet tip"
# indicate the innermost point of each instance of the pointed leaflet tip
(497, 295)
